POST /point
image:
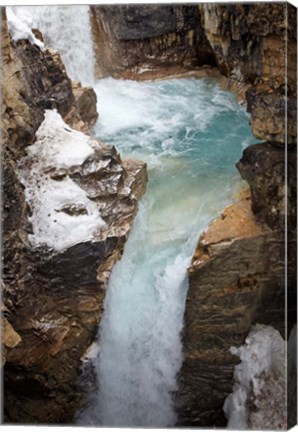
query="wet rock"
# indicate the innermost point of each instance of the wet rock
(148, 41)
(86, 101)
(268, 114)
(231, 286)
(54, 298)
(237, 275)
(249, 40)
(263, 167)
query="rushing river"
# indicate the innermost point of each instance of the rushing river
(191, 133)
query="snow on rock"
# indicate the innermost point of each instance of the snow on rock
(58, 145)
(258, 398)
(62, 214)
(19, 29)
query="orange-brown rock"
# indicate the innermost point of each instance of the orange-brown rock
(86, 100)
(231, 286)
(9, 338)
(237, 276)
(249, 40)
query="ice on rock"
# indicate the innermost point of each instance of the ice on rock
(19, 29)
(259, 381)
(62, 214)
(58, 145)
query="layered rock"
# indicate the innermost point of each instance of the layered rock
(54, 296)
(248, 42)
(59, 314)
(263, 167)
(237, 275)
(148, 41)
(256, 44)
(235, 279)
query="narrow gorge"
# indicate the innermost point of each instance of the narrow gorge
(149, 215)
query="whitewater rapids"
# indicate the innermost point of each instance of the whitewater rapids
(191, 133)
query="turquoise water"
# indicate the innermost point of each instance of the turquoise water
(191, 133)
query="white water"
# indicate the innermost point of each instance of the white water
(66, 29)
(191, 133)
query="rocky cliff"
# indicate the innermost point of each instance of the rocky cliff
(237, 275)
(53, 294)
(250, 43)
(148, 41)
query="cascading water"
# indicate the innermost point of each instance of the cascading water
(190, 133)
(66, 29)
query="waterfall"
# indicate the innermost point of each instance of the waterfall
(190, 133)
(67, 29)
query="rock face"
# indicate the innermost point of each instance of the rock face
(263, 167)
(147, 41)
(53, 297)
(231, 286)
(249, 43)
(237, 275)
(246, 38)
(85, 98)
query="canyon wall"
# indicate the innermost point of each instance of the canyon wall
(148, 41)
(250, 43)
(53, 297)
(237, 274)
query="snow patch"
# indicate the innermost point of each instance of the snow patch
(62, 214)
(59, 146)
(19, 29)
(259, 390)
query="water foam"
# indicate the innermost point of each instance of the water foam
(67, 29)
(190, 133)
